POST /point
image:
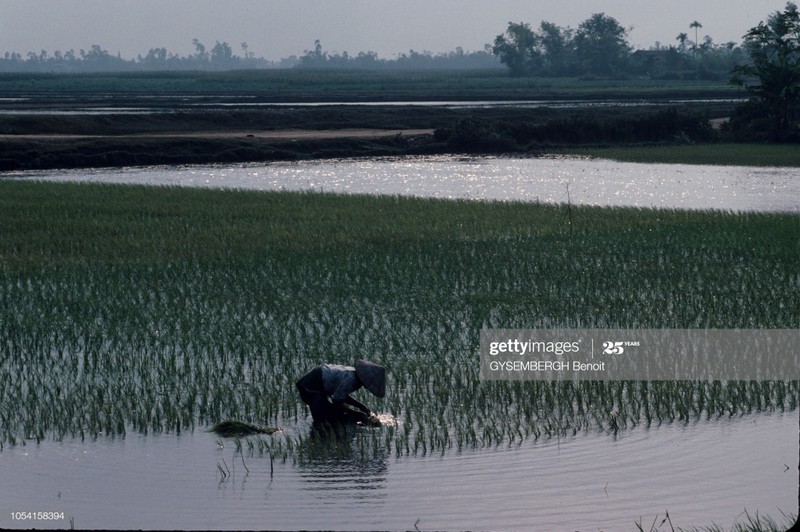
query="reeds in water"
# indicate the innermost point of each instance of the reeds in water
(163, 310)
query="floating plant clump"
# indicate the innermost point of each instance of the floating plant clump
(207, 306)
(231, 428)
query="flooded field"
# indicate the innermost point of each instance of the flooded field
(134, 318)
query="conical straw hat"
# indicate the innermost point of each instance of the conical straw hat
(372, 376)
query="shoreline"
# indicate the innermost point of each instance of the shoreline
(72, 151)
(54, 151)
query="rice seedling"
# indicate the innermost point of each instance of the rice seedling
(745, 522)
(162, 310)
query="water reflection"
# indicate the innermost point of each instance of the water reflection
(589, 181)
(343, 461)
(702, 472)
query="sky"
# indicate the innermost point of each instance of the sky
(275, 29)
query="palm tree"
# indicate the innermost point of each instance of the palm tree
(681, 38)
(695, 25)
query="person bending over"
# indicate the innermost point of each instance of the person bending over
(326, 390)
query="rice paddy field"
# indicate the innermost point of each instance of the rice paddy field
(169, 309)
(156, 310)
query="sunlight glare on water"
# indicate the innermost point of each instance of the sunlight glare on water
(386, 419)
(552, 180)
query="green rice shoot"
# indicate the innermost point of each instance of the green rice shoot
(157, 309)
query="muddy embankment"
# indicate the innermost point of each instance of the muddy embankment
(81, 139)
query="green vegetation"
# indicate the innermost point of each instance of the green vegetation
(588, 128)
(743, 523)
(599, 47)
(781, 155)
(163, 309)
(345, 85)
(772, 75)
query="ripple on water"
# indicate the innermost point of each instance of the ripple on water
(702, 473)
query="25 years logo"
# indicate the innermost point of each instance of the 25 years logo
(616, 348)
(613, 348)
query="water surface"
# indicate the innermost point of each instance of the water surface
(151, 104)
(580, 181)
(701, 473)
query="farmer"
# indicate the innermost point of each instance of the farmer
(337, 383)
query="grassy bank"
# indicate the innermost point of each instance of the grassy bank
(779, 155)
(168, 309)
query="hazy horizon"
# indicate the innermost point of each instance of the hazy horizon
(276, 29)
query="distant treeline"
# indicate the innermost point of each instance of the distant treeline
(97, 59)
(598, 47)
(413, 60)
(222, 57)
